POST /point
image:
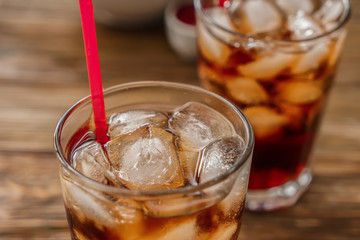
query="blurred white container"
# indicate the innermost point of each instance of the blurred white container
(181, 35)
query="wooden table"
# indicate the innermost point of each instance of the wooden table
(43, 72)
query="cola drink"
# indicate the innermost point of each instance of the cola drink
(275, 60)
(171, 170)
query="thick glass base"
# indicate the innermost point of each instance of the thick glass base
(278, 197)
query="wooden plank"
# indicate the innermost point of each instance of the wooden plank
(30, 197)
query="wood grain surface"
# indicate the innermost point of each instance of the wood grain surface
(43, 72)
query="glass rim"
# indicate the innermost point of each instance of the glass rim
(347, 11)
(80, 178)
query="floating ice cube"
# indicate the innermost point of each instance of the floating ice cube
(86, 203)
(303, 26)
(294, 6)
(339, 44)
(266, 121)
(211, 39)
(198, 125)
(295, 113)
(312, 59)
(127, 221)
(232, 6)
(328, 27)
(91, 161)
(91, 205)
(266, 67)
(183, 230)
(178, 205)
(124, 122)
(218, 157)
(299, 92)
(213, 78)
(224, 232)
(210, 47)
(79, 235)
(262, 16)
(221, 17)
(188, 159)
(233, 203)
(330, 11)
(246, 91)
(146, 159)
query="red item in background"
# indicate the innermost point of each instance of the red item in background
(186, 14)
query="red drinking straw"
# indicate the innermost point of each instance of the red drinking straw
(93, 67)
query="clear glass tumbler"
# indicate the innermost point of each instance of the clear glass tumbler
(276, 60)
(211, 209)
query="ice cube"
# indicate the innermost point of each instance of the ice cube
(262, 16)
(233, 203)
(210, 47)
(146, 159)
(224, 232)
(330, 11)
(295, 113)
(266, 67)
(299, 92)
(218, 157)
(291, 7)
(311, 59)
(86, 203)
(211, 76)
(124, 122)
(127, 222)
(211, 39)
(221, 17)
(176, 206)
(79, 235)
(90, 160)
(303, 26)
(197, 124)
(266, 121)
(246, 91)
(91, 205)
(328, 27)
(232, 6)
(182, 230)
(188, 159)
(339, 44)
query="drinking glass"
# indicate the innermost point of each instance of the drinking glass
(209, 210)
(276, 60)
